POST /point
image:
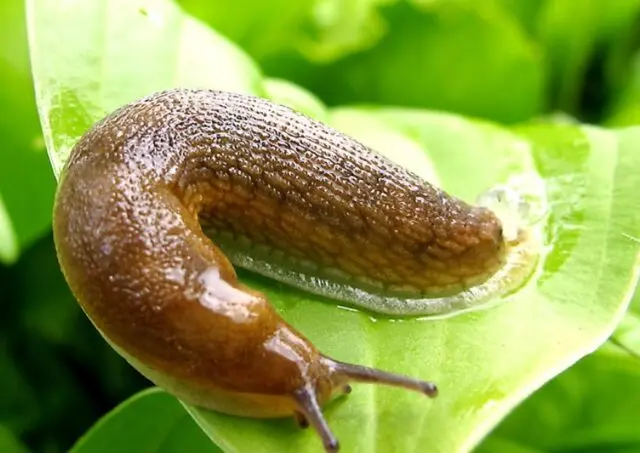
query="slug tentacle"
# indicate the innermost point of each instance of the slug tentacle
(310, 413)
(281, 194)
(342, 372)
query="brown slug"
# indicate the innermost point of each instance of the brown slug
(283, 195)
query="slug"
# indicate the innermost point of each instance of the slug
(279, 191)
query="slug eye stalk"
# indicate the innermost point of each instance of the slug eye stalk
(309, 412)
(349, 372)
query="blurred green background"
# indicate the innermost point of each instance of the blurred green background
(506, 61)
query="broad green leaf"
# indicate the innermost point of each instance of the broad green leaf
(320, 30)
(629, 115)
(9, 443)
(338, 28)
(486, 361)
(590, 408)
(150, 422)
(26, 180)
(47, 311)
(426, 60)
(8, 241)
(627, 110)
(580, 36)
(525, 11)
(41, 397)
(83, 57)
(261, 27)
(295, 97)
(18, 407)
(627, 334)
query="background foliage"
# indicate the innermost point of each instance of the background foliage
(530, 60)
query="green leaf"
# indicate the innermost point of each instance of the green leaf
(627, 110)
(260, 27)
(295, 97)
(576, 36)
(150, 422)
(19, 406)
(627, 334)
(628, 115)
(590, 408)
(83, 59)
(321, 30)
(8, 241)
(426, 60)
(9, 443)
(338, 28)
(26, 180)
(526, 11)
(485, 361)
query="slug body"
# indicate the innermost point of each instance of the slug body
(279, 191)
